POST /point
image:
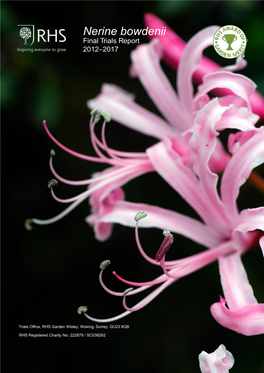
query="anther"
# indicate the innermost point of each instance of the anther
(127, 291)
(140, 215)
(82, 309)
(166, 233)
(52, 183)
(104, 264)
(106, 116)
(52, 152)
(28, 224)
(96, 113)
(164, 247)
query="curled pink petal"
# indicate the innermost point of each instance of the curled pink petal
(219, 361)
(245, 159)
(244, 314)
(107, 193)
(251, 219)
(238, 84)
(102, 206)
(249, 320)
(170, 166)
(189, 63)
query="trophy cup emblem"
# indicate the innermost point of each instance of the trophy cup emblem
(230, 41)
(229, 38)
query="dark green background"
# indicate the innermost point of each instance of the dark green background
(49, 272)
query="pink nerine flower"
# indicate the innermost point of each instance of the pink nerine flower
(179, 111)
(219, 361)
(187, 156)
(225, 231)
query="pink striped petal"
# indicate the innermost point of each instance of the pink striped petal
(102, 204)
(237, 290)
(252, 219)
(219, 361)
(240, 64)
(104, 198)
(203, 143)
(189, 62)
(244, 315)
(146, 66)
(249, 320)
(168, 163)
(123, 212)
(238, 118)
(219, 158)
(238, 84)
(246, 158)
(122, 108)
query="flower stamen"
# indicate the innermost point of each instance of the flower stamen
(127, 291)
(164, 247)
(52, 183)
(28, 224)
(104, 264)
(106, 116)
(82, 309)
(96, 113)
(140, 215)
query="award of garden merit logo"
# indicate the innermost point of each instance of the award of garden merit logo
(229, 41)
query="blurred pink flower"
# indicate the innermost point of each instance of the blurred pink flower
(219, 361)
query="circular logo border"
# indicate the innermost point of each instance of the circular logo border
(236, 53)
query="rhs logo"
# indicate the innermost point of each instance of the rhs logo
(27, 33)
(229, 41)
